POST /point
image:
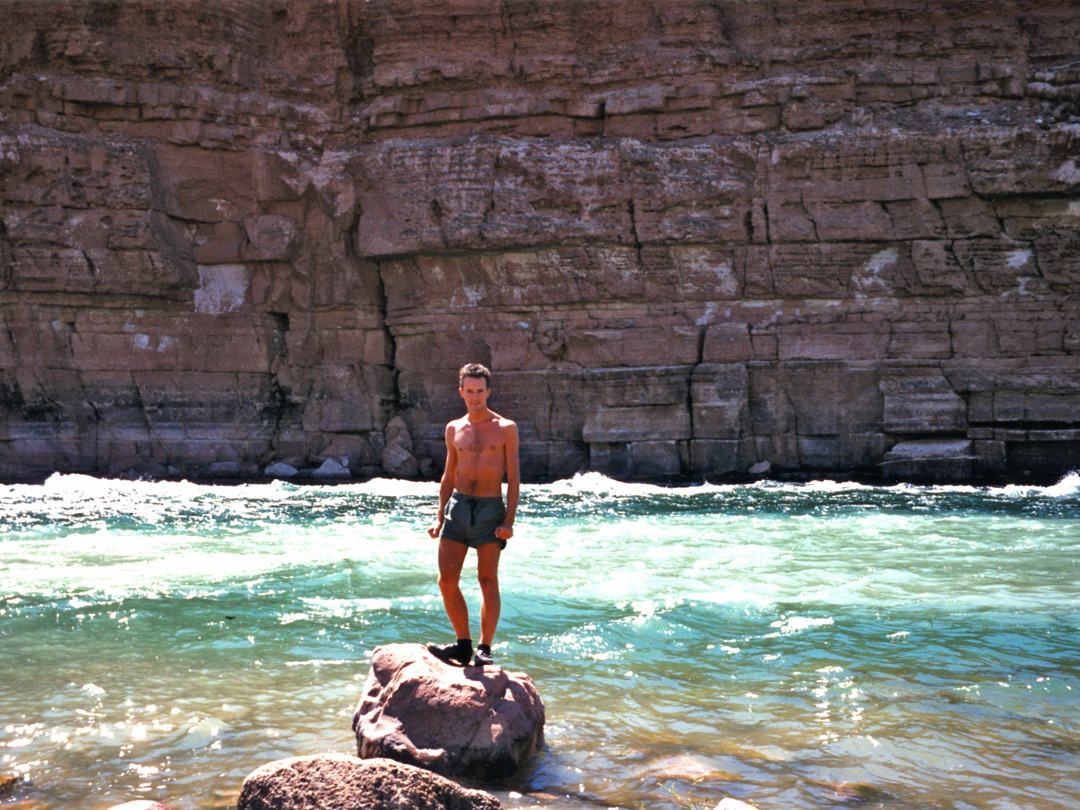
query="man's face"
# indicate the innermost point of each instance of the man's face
(475, 392)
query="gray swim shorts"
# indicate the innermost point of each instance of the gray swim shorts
(473, 521)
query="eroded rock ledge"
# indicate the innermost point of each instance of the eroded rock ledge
(690, 238)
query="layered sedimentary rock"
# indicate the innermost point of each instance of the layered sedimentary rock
(690, 237)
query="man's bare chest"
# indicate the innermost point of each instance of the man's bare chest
(480, 439)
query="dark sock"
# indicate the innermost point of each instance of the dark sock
(483, 655)
(484, 648)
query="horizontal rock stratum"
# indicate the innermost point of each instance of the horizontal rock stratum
(689, 237)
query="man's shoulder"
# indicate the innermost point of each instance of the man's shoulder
(503, 422)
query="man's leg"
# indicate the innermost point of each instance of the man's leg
(487, 572)
(451, 559)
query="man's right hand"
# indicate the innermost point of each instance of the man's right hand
(435, 530)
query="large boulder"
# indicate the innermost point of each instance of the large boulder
(341, 782)
(477, 722)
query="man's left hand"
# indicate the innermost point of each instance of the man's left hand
(504, 532)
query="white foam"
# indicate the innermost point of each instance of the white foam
(393, 488)
(1069, 485)
(594, 483)
(588, 483)
(799, 624)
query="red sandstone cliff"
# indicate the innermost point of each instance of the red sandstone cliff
(689, 236)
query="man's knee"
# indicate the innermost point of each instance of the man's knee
(489, 581)
(449, 582)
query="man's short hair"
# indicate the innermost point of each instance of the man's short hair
(474, 370)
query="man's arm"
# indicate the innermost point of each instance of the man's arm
(513, 482)
(448, 481)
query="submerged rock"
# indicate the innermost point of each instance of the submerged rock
(733, 804)
(852, 792)
(480, 722)
(689, 767)
(340, 782)
(140, 804)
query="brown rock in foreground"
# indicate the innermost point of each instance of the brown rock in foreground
(690, 237)
(478, 722)
(340, 782)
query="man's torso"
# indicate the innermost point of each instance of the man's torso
(481, 455)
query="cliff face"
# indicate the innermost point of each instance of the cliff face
(688, 236)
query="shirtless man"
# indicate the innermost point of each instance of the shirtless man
(481, 447)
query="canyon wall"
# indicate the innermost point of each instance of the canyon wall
(693, 238)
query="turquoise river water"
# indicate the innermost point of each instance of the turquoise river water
(793, 646)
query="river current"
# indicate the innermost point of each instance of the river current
(795, 646)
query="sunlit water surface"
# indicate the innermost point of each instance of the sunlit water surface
(793, 646)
